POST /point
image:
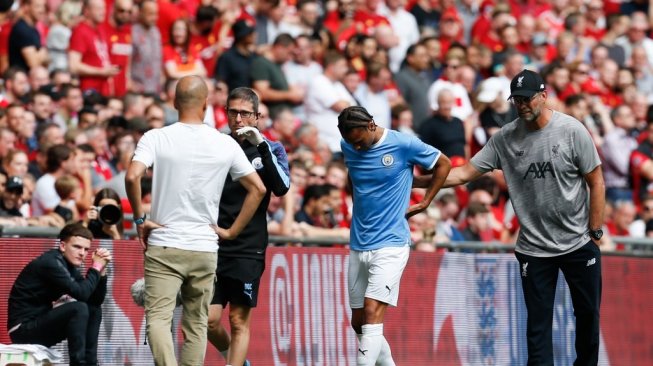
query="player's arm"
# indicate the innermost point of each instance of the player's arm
(596, 186)
(437, 179)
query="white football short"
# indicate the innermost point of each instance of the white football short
(376, 274)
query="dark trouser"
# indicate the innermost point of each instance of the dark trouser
(582, 271)
(76, 321)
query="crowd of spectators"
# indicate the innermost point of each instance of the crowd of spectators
(82, 81)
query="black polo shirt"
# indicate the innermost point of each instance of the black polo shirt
(234, 68)
(22, 35)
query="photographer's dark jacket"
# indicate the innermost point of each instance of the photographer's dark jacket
(271, 163)
(47, 278)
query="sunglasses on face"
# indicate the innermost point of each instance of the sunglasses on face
(523, 100)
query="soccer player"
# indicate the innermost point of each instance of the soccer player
(381, 163)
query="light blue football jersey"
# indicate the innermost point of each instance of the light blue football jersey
(382, 178)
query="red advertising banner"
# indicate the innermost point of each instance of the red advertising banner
(454, 309)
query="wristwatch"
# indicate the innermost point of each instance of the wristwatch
(140, 220)
(596, 234)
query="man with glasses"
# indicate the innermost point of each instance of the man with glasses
(553, 170)
(241, 260)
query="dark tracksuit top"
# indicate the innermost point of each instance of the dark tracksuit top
(271, 163)
(47, 278)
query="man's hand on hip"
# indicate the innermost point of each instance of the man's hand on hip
(144, 230)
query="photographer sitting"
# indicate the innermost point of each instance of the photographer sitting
(104, 218)
(33, 318)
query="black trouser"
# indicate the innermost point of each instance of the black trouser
(76, 321)
(582, 271)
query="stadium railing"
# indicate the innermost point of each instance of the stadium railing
(638, 247)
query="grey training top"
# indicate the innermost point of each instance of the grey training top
(544, 170)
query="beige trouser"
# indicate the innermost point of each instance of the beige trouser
(166, 271)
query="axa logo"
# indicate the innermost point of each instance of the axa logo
(539, 170)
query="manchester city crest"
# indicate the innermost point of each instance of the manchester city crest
(257, 163)
(387, 160)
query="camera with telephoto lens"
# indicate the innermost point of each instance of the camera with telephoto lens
(109, 214)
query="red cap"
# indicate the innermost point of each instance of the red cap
(450, 14)
(485, 4)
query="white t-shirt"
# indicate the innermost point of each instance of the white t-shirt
(191, 163)
(462, 107)
(377, 104)
(301, 75)
(45, 196)
(405, 28)
(322, 94)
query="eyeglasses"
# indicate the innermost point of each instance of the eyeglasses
(523, 100)
(233, 113)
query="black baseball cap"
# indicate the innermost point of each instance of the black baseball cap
(241, 29)
(14, 184)
(526, 84)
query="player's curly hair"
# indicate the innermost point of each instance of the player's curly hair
(353, 117)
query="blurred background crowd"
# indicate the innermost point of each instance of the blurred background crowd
(82, 81)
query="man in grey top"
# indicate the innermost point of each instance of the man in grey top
(552, 170)
(147, 56)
